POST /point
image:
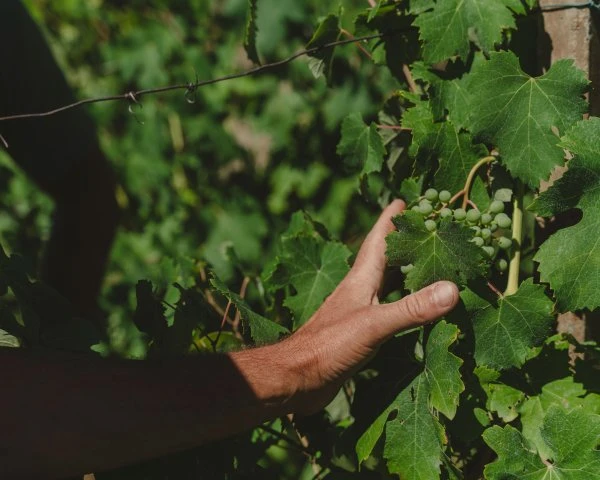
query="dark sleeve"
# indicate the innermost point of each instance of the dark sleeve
(52, 149)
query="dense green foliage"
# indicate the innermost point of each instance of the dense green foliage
(264, 186)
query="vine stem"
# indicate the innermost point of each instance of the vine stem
(517, 235)
(394, 127)
(345, 32)
(493, 288)
(238, 316)
(412, 85)
(456, 197)
(471, 177)
(287, 439)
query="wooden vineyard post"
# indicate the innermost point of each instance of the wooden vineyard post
(573, 32)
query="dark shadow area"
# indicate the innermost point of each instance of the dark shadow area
(64, 413)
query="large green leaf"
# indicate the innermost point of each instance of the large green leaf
(505, 333)
(414, 437)
(453, 149)
(309, 263)
(450, 26)
(564, 392)
(314, 269)
(444, 254)
(570, 259)
(442, 369)
(572, 438)
(361, 145)
(519, 114)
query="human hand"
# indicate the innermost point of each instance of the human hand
(348, 328)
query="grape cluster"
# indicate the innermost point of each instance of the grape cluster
(490, 228)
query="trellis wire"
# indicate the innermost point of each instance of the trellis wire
(190, 88)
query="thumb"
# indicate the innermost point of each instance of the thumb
(417, 309)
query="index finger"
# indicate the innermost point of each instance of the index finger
(369, 266)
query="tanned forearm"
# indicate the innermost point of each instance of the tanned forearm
(64, 415)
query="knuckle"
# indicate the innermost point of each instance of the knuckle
(414, 307)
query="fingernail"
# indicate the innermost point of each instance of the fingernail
(443, 294)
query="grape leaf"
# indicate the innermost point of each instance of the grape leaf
(262, 330)
(361, 145)
(442, 369)
(505, 333)
(449, 28)
(320, 61)
(454, 150)
(564, 392)
(314, 269)
(414, 438)
(502, 399)
(191, 311)
(444, 254)
(312, 265)
(451, 96)
(517, 113)
(570, 259)
(149, 317)
(251, 31)
(571, 436)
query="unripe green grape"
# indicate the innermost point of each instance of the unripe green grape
(485, 233)
(504, 243)
(501, 265)
(503, 220)
(425, 208)
(445, 213)
(489, 251)
(477, 241)
(430, 225)
(476, 231)
(416, 208)
(445, 196)
(431, 194)
(486, 219)
(406, 268)
(497, 206)
(473, 215)
(460, 214)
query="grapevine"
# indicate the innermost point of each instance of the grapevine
(475, 157)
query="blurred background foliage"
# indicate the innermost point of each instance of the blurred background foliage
(208, 177)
